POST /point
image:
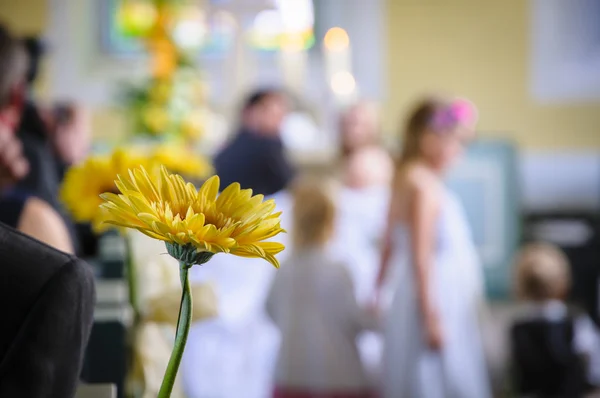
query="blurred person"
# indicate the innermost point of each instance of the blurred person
(47, 296)
(433, 345)
(255, 157)
(366, 175)
(362, 217)
(43, 179)
(30, 215)
(234, 354)
(360, 226)
(313, 304)
(555, 351)
(47, 304)
(360, 136)
(359, 127)
(69, 130)
(35, 132)
(368, 167)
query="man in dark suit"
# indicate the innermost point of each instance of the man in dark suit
(46, 306)
(47, 302)
(43, 180)
(45, 174)
(46, 296)
(256, 157)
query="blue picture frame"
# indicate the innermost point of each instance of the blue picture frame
(487, 183)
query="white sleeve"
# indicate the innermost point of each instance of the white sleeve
(587, 342)
(272, 299)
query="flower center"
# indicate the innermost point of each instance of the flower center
(111, 189)
(219, 220)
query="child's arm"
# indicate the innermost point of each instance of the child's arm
(587, 344)
(388, 247)
(360, 318)
(422, 217)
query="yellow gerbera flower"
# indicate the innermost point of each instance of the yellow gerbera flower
(83, 184)
(195, 224)
(179, 160)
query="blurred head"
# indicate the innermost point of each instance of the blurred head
(13, 68)
(368, 167)
(542, 273)
(438, 130)
(359, 127)
(313, 211)
(70, 132)
(264, 111)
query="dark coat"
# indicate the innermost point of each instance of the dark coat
(45, 170)
(46, 312)
(255, 162)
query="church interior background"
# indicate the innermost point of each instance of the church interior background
(531, 66)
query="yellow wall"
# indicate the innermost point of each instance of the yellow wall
(27, 17)
(24, 16)
(478, 49)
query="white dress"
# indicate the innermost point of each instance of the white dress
(411, 370)
(234, 355)
(361, 222)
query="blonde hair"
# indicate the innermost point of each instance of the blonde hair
(372, 112)
(542, 272)
(314, 211)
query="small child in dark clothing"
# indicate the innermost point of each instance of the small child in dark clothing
(555, 352)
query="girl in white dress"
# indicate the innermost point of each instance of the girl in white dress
(433, 345)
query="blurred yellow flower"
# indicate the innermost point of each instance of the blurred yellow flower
(195, 224)
(192, 126)
(160, 91)
(179, 160)
(136, 18)
(83, 184)
(199, 91)
(155, 119)
(163, 56)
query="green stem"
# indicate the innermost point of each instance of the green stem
(183, 329)
(132, 280)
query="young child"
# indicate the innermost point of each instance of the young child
(433, 344)
(554, 351)
(312, 302)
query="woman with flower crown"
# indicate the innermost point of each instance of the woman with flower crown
(433, 345)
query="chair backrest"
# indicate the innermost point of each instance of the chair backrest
(96, 391)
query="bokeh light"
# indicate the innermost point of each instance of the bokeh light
(336, 39)
(343, 83)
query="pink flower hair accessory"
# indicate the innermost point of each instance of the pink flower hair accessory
(459, 112)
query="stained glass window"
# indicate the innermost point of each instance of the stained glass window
(287, 24)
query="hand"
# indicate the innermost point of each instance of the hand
(433, 331)
(373, 307)
(13, 165)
